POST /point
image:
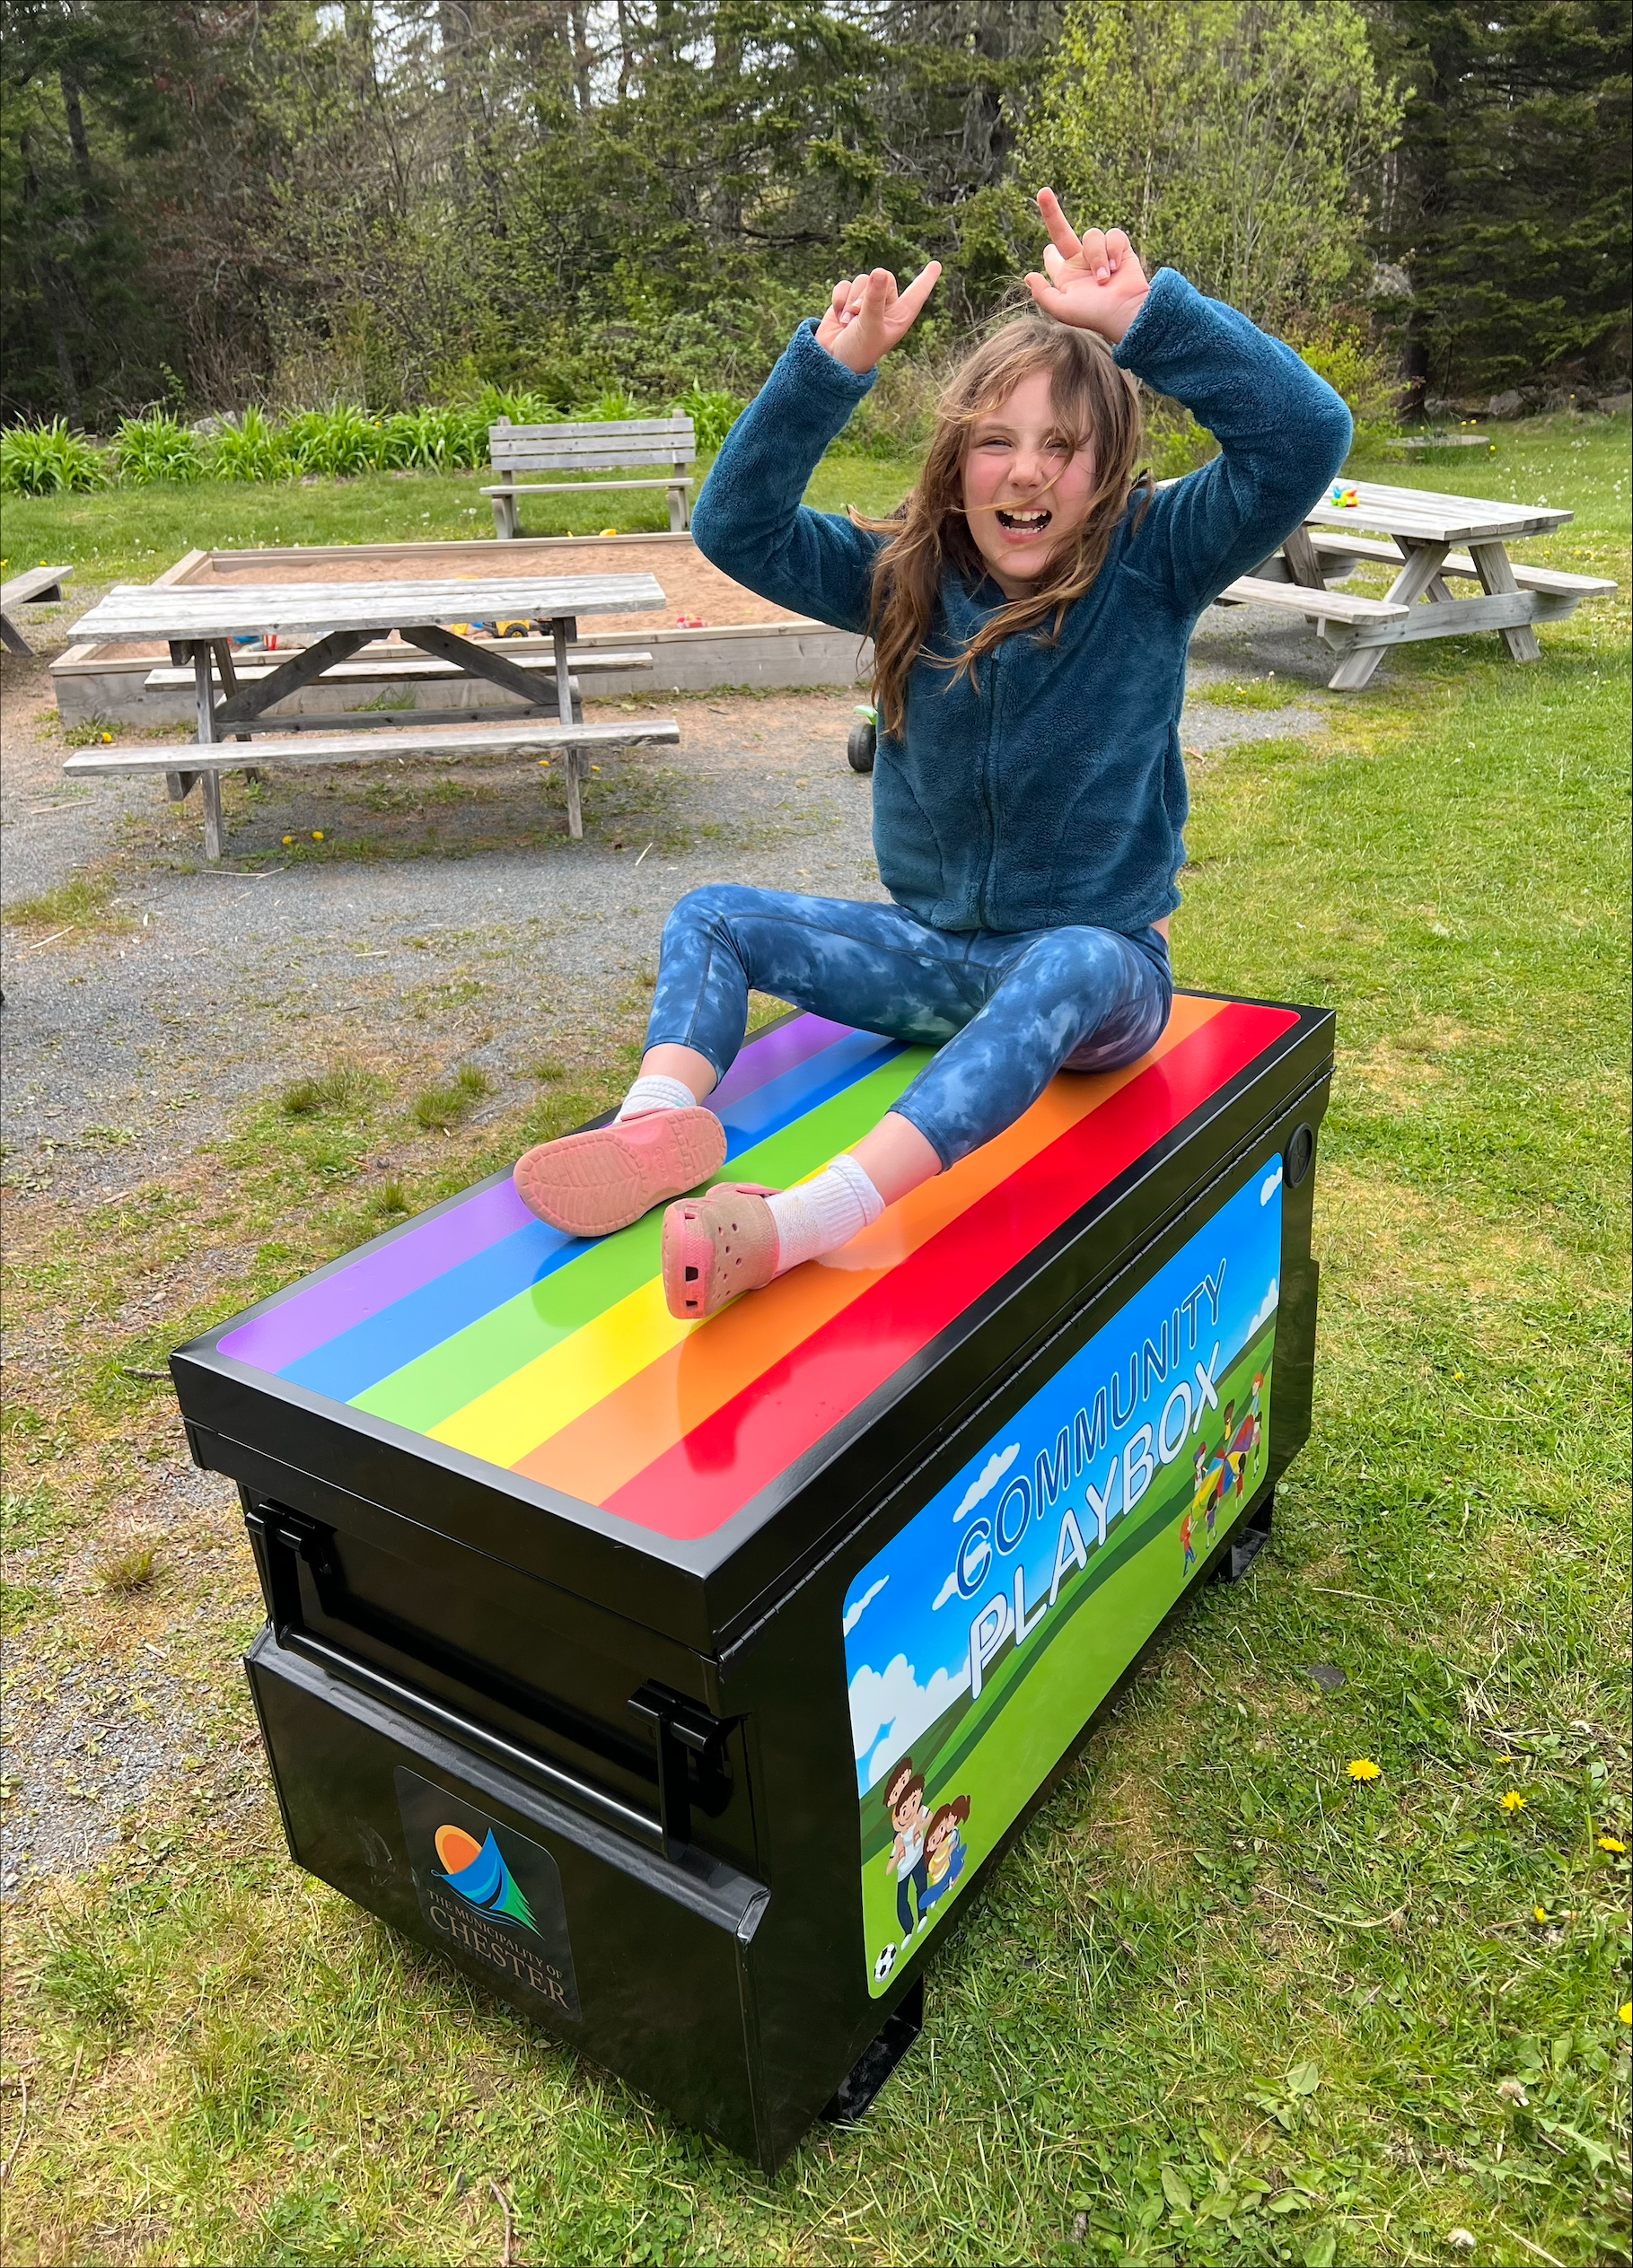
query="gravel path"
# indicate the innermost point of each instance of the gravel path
(443, 918)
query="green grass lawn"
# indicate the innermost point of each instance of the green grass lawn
(1223, 2003)
(130, 535)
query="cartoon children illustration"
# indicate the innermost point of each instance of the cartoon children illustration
(904, 1800)
(1191, 1553)
(1256, 1446)
(943, 1854)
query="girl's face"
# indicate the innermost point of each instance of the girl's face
(1028, 485)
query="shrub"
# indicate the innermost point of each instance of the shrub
(713, 412)
(1359, 371)
(156, 447)
(612, 406)
(48, 460)
(250, 450)
(340, 441)
(415, 438)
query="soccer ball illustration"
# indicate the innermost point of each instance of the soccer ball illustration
(884, 1964)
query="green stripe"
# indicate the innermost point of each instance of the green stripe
(445, 1378)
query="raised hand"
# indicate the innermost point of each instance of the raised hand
(867, 316)
(1096, 283)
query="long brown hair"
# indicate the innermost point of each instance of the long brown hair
(1094, 400)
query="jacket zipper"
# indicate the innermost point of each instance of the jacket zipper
(983, 906)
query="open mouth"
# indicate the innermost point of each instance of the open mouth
(1025, 523)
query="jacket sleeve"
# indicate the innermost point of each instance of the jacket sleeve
(748, 519)
(1283, 433)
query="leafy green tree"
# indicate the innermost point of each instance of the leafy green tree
(1233, 139)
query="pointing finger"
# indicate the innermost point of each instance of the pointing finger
(918, 290)
(1055, 221)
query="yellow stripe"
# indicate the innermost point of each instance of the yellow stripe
(566, 1379)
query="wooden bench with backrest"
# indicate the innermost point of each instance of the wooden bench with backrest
(596, 445)
(37, 588)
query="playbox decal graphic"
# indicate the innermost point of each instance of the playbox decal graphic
(490, 1896)
(981, 1637)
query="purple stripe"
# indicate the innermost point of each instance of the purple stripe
(315, 1313)
(776, 1052)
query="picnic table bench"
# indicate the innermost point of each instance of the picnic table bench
(38, 586)
(603, 444)
(346, 619)
(1421, 525)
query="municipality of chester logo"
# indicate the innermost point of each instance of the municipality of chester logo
(477, 1873)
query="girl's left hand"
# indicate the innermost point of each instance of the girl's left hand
(1094, 283)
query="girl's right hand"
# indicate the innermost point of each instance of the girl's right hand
(867, 316)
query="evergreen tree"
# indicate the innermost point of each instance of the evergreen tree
(1508, 201)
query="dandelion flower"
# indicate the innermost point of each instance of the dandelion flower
(316, 834)
(1541, 1912)
(1626, 2012)
(289, 838)
(1608, 1842)
(1514, 1800)
(1364, 1768)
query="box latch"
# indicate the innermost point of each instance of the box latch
(680, 1729)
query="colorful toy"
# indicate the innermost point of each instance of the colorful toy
(688, 622)
(1347, 497)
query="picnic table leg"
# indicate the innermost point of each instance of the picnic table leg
(1496, 572)
(1424, 562)
(209, 782)
(564, 705)
(12, 637)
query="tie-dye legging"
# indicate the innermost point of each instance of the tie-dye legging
(1006, 1012)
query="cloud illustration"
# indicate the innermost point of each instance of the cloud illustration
(947, 1590)
(853, 1614)
(991, 1473)
(1271, 1183)
(889, 1709)
(1267, 1306)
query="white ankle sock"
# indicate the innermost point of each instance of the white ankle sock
(651, 1092)
(824, 1213)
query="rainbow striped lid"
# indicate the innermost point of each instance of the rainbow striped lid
(555, 1359)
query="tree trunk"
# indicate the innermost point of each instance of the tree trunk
(89, 201)
(45, 277)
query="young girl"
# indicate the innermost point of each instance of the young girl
(1029, 616)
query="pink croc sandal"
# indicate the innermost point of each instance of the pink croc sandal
(587, 1184)
(716, 1247)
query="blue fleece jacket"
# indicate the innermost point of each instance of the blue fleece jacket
(1050, 789)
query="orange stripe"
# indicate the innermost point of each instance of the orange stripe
(596, 1453)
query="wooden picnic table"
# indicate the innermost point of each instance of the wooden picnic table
(1420, 526)
(199, 622)
(36, 586)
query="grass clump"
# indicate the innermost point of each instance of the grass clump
(546, 1071)
(393, 1199)
(333, 1093)
(84, 901)
(129, 1569)
(438, 1108)
(1249, 693)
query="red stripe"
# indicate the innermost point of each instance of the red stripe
(696, 1486)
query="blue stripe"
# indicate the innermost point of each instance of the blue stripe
(347, 1366)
